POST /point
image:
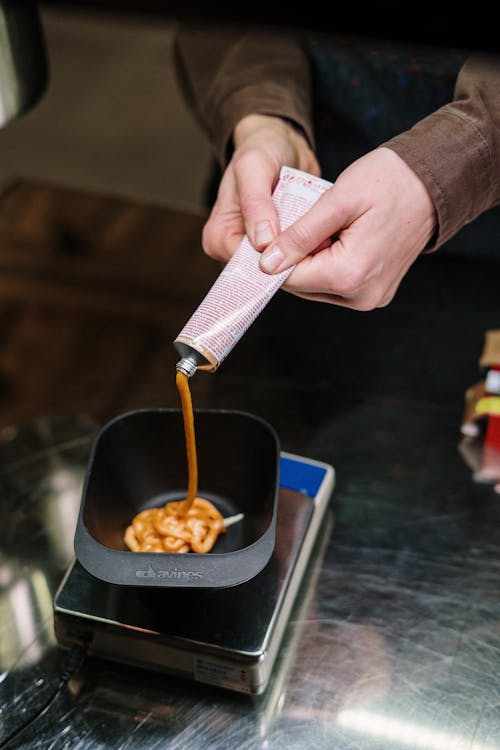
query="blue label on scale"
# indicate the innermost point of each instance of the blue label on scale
(301, 476)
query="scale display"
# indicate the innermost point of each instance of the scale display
(227, 637)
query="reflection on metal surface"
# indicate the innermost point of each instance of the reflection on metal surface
(473, 452)
(40, 486)
(273, 702)
(21, 605)
(64, 485)
(24, 604)
(406, 733)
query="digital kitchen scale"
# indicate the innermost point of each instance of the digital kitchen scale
(226, 637)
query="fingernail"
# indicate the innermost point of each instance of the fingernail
(271, 260)
(263, 233)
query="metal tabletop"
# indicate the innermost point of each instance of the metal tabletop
(399, 644)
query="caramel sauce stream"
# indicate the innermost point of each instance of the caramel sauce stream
(182, 383)
(180, 526)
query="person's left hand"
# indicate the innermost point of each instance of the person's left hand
(355, 244)
(262, 145)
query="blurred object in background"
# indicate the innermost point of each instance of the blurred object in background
(480, 447)
(23, 60)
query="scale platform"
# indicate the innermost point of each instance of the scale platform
(226, 637)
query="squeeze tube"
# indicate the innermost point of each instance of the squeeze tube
(242, 289)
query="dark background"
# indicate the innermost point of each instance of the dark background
(465, 27)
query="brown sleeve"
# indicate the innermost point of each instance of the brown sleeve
(226, 74)
(456, 150)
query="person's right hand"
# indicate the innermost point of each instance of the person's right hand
(262, 145)
(355, 244)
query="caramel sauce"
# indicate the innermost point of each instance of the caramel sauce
(193, 524)
(182, 383)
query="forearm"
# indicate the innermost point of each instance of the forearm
(456, 150)
(227, 75)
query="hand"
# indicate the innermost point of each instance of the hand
(262, 145)
(380, 217)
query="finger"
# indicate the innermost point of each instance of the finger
(343, 277)
(224, 229)
(353, 303)
(256, 178)
(329, 299)
(325, 218)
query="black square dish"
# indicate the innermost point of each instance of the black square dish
(138, 461)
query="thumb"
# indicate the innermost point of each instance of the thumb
(311, 231)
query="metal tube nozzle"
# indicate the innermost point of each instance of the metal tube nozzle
(187, 365)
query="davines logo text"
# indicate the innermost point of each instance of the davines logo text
(175, 573)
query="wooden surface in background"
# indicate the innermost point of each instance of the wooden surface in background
(93, 290)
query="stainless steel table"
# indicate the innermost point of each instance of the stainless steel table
(399, 645)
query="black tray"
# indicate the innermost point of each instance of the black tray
(138, 461)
